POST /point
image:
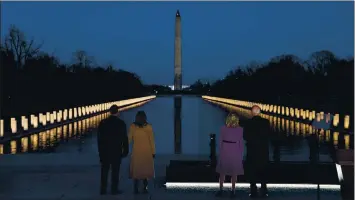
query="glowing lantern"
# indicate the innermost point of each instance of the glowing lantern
(297, 113)
(48, 116)
(292, 113)
(346, 121)
(278, 110)
(283, 110)
(287, 111)
(1, 128)
(75, 113)
(24, 123)
(59, 116)
(336, 120)
(70, 113)
(65, 115)
(35, 122)
(52, 118)
(55, 115)
(321, 115)
(313, 114)
(275, 109)
(42, 119)
(13, 125)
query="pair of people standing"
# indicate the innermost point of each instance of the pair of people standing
(255, 132)
(113, 146)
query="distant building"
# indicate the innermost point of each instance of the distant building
(183, 87)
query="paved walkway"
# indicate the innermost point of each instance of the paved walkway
(74, 175)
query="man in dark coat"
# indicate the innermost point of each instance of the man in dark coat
(113, 146)
(257, 134)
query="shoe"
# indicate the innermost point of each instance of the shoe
(232, 194)
(219, 193)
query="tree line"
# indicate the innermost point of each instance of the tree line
(34, 81)
(323, 82)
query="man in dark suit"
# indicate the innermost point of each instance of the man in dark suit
(113, 146)
(257, 134)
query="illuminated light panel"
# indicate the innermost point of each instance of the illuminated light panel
(339, 172)
(172, 185)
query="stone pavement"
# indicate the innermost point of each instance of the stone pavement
(70, 174)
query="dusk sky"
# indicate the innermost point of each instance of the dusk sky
(216, 36)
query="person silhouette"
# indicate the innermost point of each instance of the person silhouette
(112, 143)
(257, 136)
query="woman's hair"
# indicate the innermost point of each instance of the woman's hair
(141, 119)
(232, 120)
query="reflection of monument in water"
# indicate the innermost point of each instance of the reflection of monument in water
(177, 124)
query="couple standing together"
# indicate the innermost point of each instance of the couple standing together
(113, 146)
(256, 133)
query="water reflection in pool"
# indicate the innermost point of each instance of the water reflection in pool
(182, 126)
(48, 140)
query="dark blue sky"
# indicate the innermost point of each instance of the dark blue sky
(217, 36)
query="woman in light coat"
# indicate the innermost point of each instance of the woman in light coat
(143, 151)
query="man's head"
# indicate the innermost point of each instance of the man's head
(255, 110)
(114, 110)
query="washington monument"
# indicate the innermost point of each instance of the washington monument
(177, 61)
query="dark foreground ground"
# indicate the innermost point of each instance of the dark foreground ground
(73, 174)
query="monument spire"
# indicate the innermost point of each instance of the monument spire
(178, 13)
(177, 61)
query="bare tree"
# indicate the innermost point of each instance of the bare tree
(22, 48)
(82, 59)
(320, 62)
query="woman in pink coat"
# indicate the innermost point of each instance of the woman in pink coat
(231, 146)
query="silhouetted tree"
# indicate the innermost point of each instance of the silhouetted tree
(21, 48)
(323, 82)
(33, 81)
